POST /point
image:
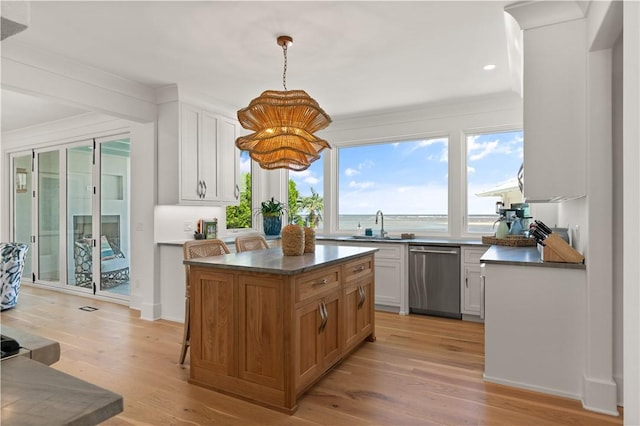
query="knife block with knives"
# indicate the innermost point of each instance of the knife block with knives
(555, 249)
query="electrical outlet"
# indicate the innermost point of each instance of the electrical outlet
(187, 226)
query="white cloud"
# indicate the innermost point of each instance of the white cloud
(245, 165)
(360, 185)
(485, 149)
(351, 172)
(471, 170)
(444, 156)
(312, 180)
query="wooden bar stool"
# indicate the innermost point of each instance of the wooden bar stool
(193, 250)
(250, 242)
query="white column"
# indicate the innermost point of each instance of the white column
(599, 389)
(631, 154)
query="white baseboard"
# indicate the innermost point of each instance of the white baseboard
(599, 396)
(534, 388)
(620, 393)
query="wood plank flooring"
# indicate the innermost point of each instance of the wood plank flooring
(420, 371)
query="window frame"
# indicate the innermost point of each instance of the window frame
(465, 187)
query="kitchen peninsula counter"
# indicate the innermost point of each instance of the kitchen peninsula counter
(266, 327)
(522, 256)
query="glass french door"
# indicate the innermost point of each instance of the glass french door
(115, 168)
(22, 202)
(71, 205)
(48, 204)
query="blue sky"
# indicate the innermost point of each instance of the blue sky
(412, 177)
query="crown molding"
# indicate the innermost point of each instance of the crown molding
(534, 14)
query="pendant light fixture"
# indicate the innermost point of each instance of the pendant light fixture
(284, 123)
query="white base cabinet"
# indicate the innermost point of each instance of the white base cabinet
(198, 162)
(535, 328)
(390, 272)
(470, 286)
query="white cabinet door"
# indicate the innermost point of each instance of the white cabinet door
(229, 175)
(554, 85)
(190, 185)
(208, 156)
(470, 285)
(471, 291)
(387, 291)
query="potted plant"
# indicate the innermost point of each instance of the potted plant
(272, 211)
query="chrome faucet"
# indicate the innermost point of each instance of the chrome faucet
(382, 232)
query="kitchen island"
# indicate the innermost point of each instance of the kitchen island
(266, 327)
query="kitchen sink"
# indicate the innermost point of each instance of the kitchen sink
(373, 238)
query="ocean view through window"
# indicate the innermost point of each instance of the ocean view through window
(493, 160)
(408, 181)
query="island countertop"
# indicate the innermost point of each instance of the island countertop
(273, 261)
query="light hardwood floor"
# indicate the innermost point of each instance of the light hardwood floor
(420, 371)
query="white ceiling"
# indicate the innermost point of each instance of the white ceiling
(352, 57)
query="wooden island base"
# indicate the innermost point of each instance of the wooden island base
(266, 327)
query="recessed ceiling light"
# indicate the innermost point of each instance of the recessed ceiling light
(489, 67)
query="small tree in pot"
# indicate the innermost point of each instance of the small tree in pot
(272, 211)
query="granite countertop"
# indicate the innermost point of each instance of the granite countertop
(273, 261)
(522, 256)
(394, 240)
(230, 240)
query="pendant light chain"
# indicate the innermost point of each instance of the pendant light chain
(284, 73)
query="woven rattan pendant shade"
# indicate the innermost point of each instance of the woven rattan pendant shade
(283, 123)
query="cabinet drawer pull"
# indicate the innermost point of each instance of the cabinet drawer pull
(204, 187)
(321, 282)
(324, 314)
(359, 268)
(363, 296)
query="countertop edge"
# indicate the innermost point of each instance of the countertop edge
(522, 256)
(219, 262)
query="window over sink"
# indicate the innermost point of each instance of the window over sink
(408, 180)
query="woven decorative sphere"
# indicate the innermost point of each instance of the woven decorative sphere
(292, 240)
(309, 240)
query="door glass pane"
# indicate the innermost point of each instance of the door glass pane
(22, 197)
(49, 216)
(79, 211)
(114, 216)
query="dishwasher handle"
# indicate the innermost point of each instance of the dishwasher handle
(433, 251)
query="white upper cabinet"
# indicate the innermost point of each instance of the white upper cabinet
(197, 156)
(555, 104)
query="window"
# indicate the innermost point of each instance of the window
(407, 181)
(240, 217)
(306, 202)
(493, 160)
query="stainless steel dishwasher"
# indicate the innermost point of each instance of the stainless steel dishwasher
(434, 280)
